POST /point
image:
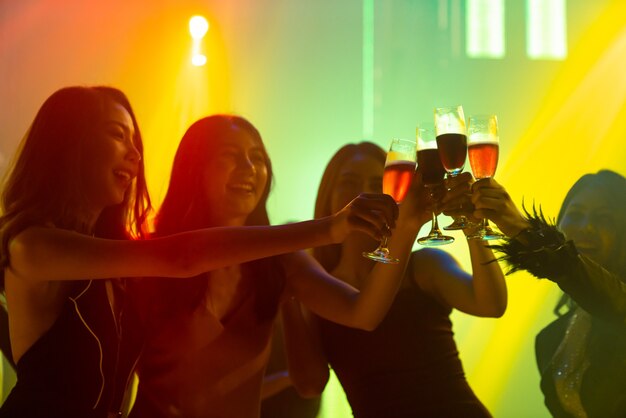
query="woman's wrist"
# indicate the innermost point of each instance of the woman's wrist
(410, 223)
(519, 231)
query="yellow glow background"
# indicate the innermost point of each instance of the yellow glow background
(295, 70)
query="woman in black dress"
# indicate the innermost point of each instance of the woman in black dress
(74, 207)
(409, 365)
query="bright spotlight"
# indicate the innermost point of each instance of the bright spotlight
(198, 60)
(198, 27)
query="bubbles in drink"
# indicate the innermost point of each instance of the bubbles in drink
(397, 178)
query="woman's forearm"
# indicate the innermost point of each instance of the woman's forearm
(596, 290)
(383, 282)
(543, 251)
(488, 280)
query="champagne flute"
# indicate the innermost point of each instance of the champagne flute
(452, 146)
(432, 171)
(483, 149)
(397, 179)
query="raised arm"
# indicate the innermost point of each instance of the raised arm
(535, 245)
(493, 202)
(543, 251)
(597, 291)
(339, 302)
(47, 254)
(482, 293)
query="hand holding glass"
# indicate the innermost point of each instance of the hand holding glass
(483, 149)
(397, 179)
(432, 171)
(452, 146)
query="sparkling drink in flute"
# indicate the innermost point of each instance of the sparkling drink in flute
(483, 149)
(397, 179)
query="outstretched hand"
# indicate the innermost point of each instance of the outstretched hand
(492, 201)
(373, 214)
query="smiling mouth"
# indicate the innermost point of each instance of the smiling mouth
(124, 175)
(242, 187)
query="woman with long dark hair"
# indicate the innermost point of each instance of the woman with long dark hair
(582, 354)
(409, 366)
(74, 206)
(209, 338)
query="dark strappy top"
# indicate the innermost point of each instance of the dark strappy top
(408, 367)
(79, 368)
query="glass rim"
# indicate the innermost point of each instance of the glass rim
(483, 116)
(401, 140)
(449, 107)
(423, 144)
(483, 128)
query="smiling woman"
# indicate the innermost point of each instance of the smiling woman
(221, 173)
(78, 169)
(71, 204)
(581, 354)
(590, 220)
(209, 338)
(111, 161)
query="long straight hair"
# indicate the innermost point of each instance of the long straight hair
(42, 185)
(612, 187)
(329, 255)
(185, 208)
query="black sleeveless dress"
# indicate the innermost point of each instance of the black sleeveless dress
(79, 368)
(408, 367)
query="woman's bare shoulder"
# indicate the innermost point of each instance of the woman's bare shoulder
(430, 257)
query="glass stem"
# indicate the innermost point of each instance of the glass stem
(435, 227)
(383, 244)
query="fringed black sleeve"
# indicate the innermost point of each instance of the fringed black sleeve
(541, 249)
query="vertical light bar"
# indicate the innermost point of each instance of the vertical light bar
(456, 27)
(368, 69)
(442, 15)
(546, 31)
(484, 28)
